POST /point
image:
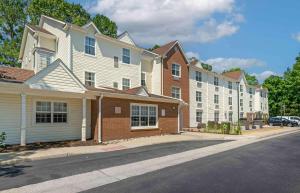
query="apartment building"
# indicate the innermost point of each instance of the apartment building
(225, 97)
(76, 83)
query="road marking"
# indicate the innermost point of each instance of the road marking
(89, 180)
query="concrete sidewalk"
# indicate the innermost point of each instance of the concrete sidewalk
(15, 157)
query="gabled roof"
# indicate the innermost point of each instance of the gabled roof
(35, 28)
(236, 75)
(126, 34)
(86, 26)
(163, 50)
(16, 75)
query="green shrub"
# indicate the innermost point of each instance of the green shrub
(225, 127)
(2, 139)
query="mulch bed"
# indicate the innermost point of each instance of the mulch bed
(47, 145)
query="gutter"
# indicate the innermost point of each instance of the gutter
(100, 119)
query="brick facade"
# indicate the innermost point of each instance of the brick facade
(117, 126)
(176, 56)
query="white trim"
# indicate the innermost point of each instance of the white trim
(129, 83)
(84, 120)
(179, 92)
(145, 78)
(86, 26)
(100, 120)
(179, 76)
(144, 127)
(95, 77)
(23, 120)
(130, 56)
(87, 54)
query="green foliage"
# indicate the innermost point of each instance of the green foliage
(59, 9)
(154, 47)
(206, 66)
(105, 25)
(284, 92)
(223, 128)
(251, 79)
(2, 139)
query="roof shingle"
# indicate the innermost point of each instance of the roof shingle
(12, 74)
(163, 49)
(233, 75)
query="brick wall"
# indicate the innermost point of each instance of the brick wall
(176, 56)
(117, 126)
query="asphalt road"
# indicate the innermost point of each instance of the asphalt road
(271, 166)
(39, 171)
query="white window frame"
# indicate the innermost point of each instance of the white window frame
(129, 86)
(197, 116)
(45, 56)
(143, 74)
(198, 76)
(198, 97)
(241, 103)
(85, 44)
(230, 117)
(216, 99)
(179, 70)
(229, 85)
(123, 55)
(175, 93)
(34, 105)
(216, 81)
(143, 127)
(116, 63)
(230, 101)
(93, 82)
(216, 119)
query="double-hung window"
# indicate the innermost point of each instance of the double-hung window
(216, 99)
(198, 96)
(216, 81)
(176, 92)
(45, 60)
(51, 112)
(198, 76)
(126, 56)
(241, 102)
(143, 79)
(90, 46)
(125, 83)
(229, 100)
(241, 88)
(199, 116)
(229, 85)
(176, 70)
(143, 116)
(90, 79)
(216, 116)
(230, 117)
(116, 62)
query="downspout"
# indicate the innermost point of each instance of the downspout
(162, 76)
(178, 118)
(100, 119)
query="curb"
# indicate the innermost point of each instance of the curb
(19, 160)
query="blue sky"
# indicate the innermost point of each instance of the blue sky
(261, 36)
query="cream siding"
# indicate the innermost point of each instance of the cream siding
(47, 43)
(102, 64)
(147, 68)
(126, 38)
(28, 57)
(157, 77)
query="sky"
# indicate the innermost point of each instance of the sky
(260, 36)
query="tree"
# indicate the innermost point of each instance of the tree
(206, 66)
(13, 18)
(251, 79)
(105, 25)
(58, 9)
(154, 47)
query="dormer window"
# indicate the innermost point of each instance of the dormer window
(126, 56)
(176, 70)
(90, 46)
(45, 60)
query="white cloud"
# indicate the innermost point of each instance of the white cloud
(264, 75)
(159, 21)
(296, 36)
(192, 54)
(221, 64)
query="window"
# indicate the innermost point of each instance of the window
(143, 79)
(89, 79)
(45, 60)
(198, 76)
(216, 81)
(261, 106)
(90, 46)
(116, 62)
(199, 116)
(43, 112)
(216, 116)
(250, 104)
(241, 88)
(176, 70)
(198, 96)
(51, 112)
(241, 114)
(126, 56)
(176, 92)
(115, 85)
(229, 100)
(60, 112)
(216, 99)
(125, 84)
(143, 116)
(241, 102)
(229, 85)
(250, 90)
(230, 116)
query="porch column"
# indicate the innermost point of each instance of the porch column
(83, 128)
(23, 120)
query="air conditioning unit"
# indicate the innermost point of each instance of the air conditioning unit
(199, 105)
(217, 107)
(230, 107)
(216, 89)
(199, 84)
